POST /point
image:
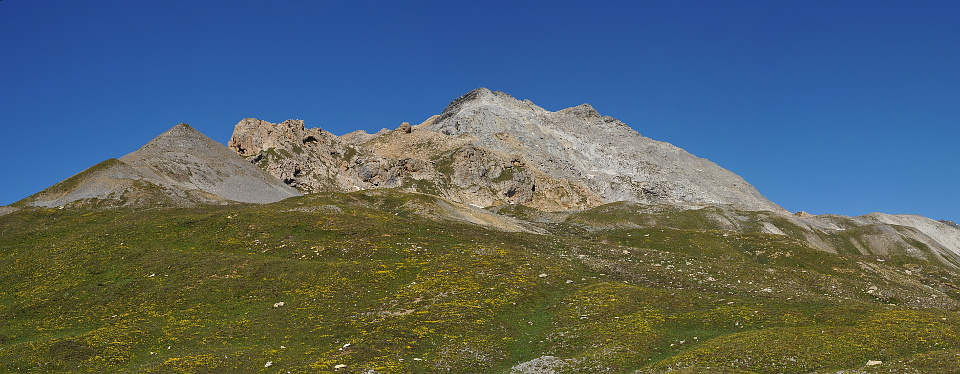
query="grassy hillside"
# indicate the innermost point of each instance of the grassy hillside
(367, 283)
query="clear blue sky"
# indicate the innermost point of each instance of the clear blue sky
(844, 107)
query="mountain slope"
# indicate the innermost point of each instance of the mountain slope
(179, 167)
(379, 282)
(902, 238)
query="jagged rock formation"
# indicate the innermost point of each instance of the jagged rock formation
(487, 148)
(179, 167)
(314, 160)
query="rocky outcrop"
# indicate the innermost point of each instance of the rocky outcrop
(179, 167)
(313, 160)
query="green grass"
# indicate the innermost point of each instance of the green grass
(193, 290)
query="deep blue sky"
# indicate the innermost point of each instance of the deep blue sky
(845, 107)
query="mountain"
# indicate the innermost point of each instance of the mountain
(494, 237)
(487, 149)
(179, 167)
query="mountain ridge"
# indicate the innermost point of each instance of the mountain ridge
(495, 149)
(486, 149)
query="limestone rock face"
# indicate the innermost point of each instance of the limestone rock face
(179, 167)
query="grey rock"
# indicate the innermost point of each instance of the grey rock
(545, 365)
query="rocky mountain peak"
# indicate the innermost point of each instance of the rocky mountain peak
(179, 137)
(181, 130)
(184, 158)
(482, 100)
(475, 96)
